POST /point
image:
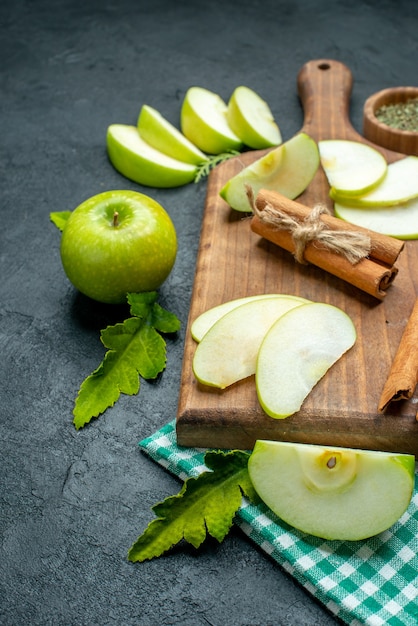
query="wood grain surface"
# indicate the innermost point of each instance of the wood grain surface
(234, 262)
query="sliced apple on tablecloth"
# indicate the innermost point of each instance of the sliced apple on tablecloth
(296, 352)
(332, 492)
(287, 169)
(251, 119)
(228, 350)
(165, 137)
(203, 121)
(135, 159)
(351, 167)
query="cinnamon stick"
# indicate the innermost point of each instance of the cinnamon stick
(383, 248)
(373, 273)
(403, 375)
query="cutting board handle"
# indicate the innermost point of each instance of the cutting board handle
(324, 88)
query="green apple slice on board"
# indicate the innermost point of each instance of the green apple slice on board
(400, 184)
(251, 119)
(332, 492)
(398, 221)
(291, 361)
(207, 319)
(204, 122)
(287, 169)
(228, 351)
(165, 137)
(135, 159)
(351, 167)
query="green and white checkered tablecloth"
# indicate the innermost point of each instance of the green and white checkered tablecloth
(373, 582)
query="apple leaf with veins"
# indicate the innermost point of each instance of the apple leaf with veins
(135, 349)
(206, 504)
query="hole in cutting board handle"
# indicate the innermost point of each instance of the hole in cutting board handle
(324, 66)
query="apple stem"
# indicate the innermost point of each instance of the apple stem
(115, 219)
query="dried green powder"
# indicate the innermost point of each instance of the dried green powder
(401, 115)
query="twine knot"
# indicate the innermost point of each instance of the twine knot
(354, 246)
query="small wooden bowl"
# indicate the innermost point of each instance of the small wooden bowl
(383, 135)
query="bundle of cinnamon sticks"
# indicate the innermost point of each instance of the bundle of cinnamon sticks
(359, 256)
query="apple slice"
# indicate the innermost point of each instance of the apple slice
(400, 184)
(287, 169)
(251, 119)
(400, 221)
(331, 492)
(353, 168)
(163, 136)
(207, 319)
(137, 160)
(203, 121)
(296, 353)
(228, 351)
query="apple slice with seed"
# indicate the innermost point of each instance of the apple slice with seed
(162, 135)
(287, 169)
(296, 352)
(228, 351)
(351, 167)
(332, 492)
(251, 119)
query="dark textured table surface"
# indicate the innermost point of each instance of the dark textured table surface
(72, 502)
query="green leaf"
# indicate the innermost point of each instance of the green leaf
(135, 349)
(161, 319)
(205, 505)
(59, 218)
(141, 303)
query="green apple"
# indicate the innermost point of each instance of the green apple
(135, 159)
(251, 119)
(331, 492)
(351, 167)
(399, 185)
(203, 120)
(399, 221)
(205, 320)
(296, 353)
(163, 136)
(228, 351)
(287, 169)
(118, 242)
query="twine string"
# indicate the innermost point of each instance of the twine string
(354, 246)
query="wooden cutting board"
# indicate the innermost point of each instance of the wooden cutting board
(234, 262)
